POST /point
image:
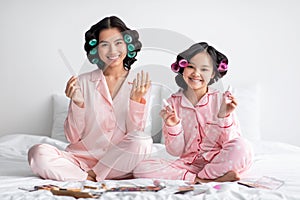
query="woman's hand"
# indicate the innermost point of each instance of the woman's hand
(228, 105)
(169, 116)
(73, 92)
(140, 86)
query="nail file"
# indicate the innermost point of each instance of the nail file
(67, 64)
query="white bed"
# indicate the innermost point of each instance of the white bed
(278, 160)
(272, 159)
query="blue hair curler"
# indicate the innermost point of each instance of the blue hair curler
(127, 38)
(131, 54)
(95, 60)
(93, 42)
(93, 51)
(130, 47)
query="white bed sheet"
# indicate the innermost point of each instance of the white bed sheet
(278, 160)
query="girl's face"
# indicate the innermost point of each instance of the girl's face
(199, 71)
(112, 49)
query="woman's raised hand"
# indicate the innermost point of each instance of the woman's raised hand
(73, 92)
(140, 86)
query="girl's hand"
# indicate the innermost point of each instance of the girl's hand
(170, 117)
(140, 86)
(73, 92)
(228, 105)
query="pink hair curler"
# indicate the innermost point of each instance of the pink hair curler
(222, 66)
(175, 67)
(183, 63)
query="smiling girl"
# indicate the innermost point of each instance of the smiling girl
(201, 128)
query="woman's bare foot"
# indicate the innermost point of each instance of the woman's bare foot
(228, 177)
(91, 176)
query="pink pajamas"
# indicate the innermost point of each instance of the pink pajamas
(106, 136)
(207, 146)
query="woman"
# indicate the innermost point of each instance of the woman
(107, 112)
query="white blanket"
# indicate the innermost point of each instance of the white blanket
(272, 159)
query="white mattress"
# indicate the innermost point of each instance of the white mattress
(272, 159)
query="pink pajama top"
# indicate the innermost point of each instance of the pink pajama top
(103, 121)
(200, 132)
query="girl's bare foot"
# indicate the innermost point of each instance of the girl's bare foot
(228, 177)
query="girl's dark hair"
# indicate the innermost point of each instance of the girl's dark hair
(216, 56)
(131, 40)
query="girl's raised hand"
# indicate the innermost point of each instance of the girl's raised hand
(73, 92)
(228, 105)
(169, 116)
(140, 86)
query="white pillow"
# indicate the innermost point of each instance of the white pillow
(248, 109)
(60, 105)
(154, 121)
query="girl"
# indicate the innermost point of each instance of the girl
(106, 115)
(200, 126)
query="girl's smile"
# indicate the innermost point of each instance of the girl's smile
(199, 71)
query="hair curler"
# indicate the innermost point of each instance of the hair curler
(95, 60)
(222, 66)
(183, 63)
(175, 68)
(130, 47)
(131, 54)
(92, 42)
(93, 51)
(127, 38)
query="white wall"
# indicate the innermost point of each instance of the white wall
(259, 37)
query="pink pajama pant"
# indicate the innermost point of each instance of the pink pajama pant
(236, 155)
(51, 163)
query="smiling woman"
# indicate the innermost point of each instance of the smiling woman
(111, 34)
(112, 48)
(106, 117)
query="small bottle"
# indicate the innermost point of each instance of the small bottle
(228, 93)
(167, 106)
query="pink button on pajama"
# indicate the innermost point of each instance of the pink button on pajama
(106, 136)
(207, 146)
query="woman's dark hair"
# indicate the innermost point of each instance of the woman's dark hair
(130, 37)
(216, 57)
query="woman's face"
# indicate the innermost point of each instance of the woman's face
(112, 49)
(199, 71)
